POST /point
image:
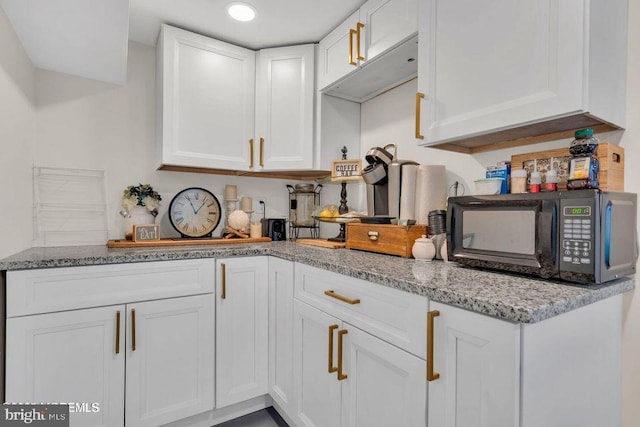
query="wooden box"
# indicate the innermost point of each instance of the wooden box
(384, 238)
(611, 158)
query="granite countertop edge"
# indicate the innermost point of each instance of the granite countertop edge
(548, 299)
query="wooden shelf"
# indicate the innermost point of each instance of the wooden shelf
(301, 175)
(183, 242)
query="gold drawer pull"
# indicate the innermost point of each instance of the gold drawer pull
(352, 33)
(359, 26)
(261, 150)
(251, 153)
(332, 368)
(332, 294)
(118, 332)
(223, 267)
(419, 97)
(431, 375)
(373, 235)
(341, 375)
(133, 329)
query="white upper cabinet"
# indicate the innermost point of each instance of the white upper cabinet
(212, 115)
(284, 108)
(375, 29)
(503, 70)
(205, 102)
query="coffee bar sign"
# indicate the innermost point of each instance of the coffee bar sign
(346, 169)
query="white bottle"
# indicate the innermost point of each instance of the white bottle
(423, 249)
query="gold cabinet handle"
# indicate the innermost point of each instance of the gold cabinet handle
(419, 97)
(118, 332)
(250, 153)
(261, 150)
(431, 375)
(373, 235)
(352, 33)
(332, 294)
(133, 329)
(341, 375)
(223, 267)
(332, 368)
(359, 26)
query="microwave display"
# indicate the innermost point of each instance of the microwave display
(509, 231)
(577, 211)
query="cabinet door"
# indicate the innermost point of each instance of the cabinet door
(69, 357)
(242, 332)
(483, 70)
(385, 386)
(207, 101)
(386, 24)
(337, 53)
(318, 391)
(478, 359)
(281, 333)
(170, 369)
(284, 107)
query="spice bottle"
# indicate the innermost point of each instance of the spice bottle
(551, 179)
(518, 181)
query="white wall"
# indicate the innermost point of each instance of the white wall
(92, 125)
(17, 141)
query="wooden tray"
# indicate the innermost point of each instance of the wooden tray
(182, 242)
(322, 243)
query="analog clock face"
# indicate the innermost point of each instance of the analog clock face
(194, 212)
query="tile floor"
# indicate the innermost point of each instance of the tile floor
(264, 418)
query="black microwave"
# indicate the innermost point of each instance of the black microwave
(585, 236)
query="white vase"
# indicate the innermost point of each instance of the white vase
(138, 215)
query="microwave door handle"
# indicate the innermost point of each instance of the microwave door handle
(554, 234)
(607, 235)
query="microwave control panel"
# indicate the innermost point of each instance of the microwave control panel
(577, 235)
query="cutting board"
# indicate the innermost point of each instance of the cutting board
(322, 243)
(182, 242)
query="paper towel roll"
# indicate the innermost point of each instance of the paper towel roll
(431, 191)
(408, 192)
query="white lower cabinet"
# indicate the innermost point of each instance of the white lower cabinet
(281, 333)
(164, 346)
(478, 361)
(242, 329)
(347, 377)
(169, 371)
(72, 356)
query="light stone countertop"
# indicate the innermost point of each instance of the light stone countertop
(505, 296)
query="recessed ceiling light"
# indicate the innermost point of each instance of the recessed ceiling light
(241, 12)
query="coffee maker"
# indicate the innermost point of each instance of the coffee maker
(383, 177)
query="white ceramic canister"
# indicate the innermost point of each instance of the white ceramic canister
(423, 249)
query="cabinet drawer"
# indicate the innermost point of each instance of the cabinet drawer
(390, 314)
(56, 289)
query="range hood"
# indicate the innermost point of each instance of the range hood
(380, 74)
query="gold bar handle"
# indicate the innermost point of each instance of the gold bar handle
(332, 368)
(133, 329)
(118, 332)
(341, 375)
(359, 26)
(332, 294)
(251, 153)
(223, 267)
(431, 375)
(352, 32)
(419, 97)
(261, 150)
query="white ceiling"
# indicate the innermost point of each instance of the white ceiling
(80, 37)
(277, 22)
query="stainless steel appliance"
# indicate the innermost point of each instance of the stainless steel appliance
(383, 177)
(586, 236)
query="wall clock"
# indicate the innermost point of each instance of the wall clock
(194, 212)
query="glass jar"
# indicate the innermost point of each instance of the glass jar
(518, 181)
(303, 200)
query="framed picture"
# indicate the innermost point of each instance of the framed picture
(346, 170)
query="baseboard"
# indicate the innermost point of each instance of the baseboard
(219, 416)
(284, 415)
